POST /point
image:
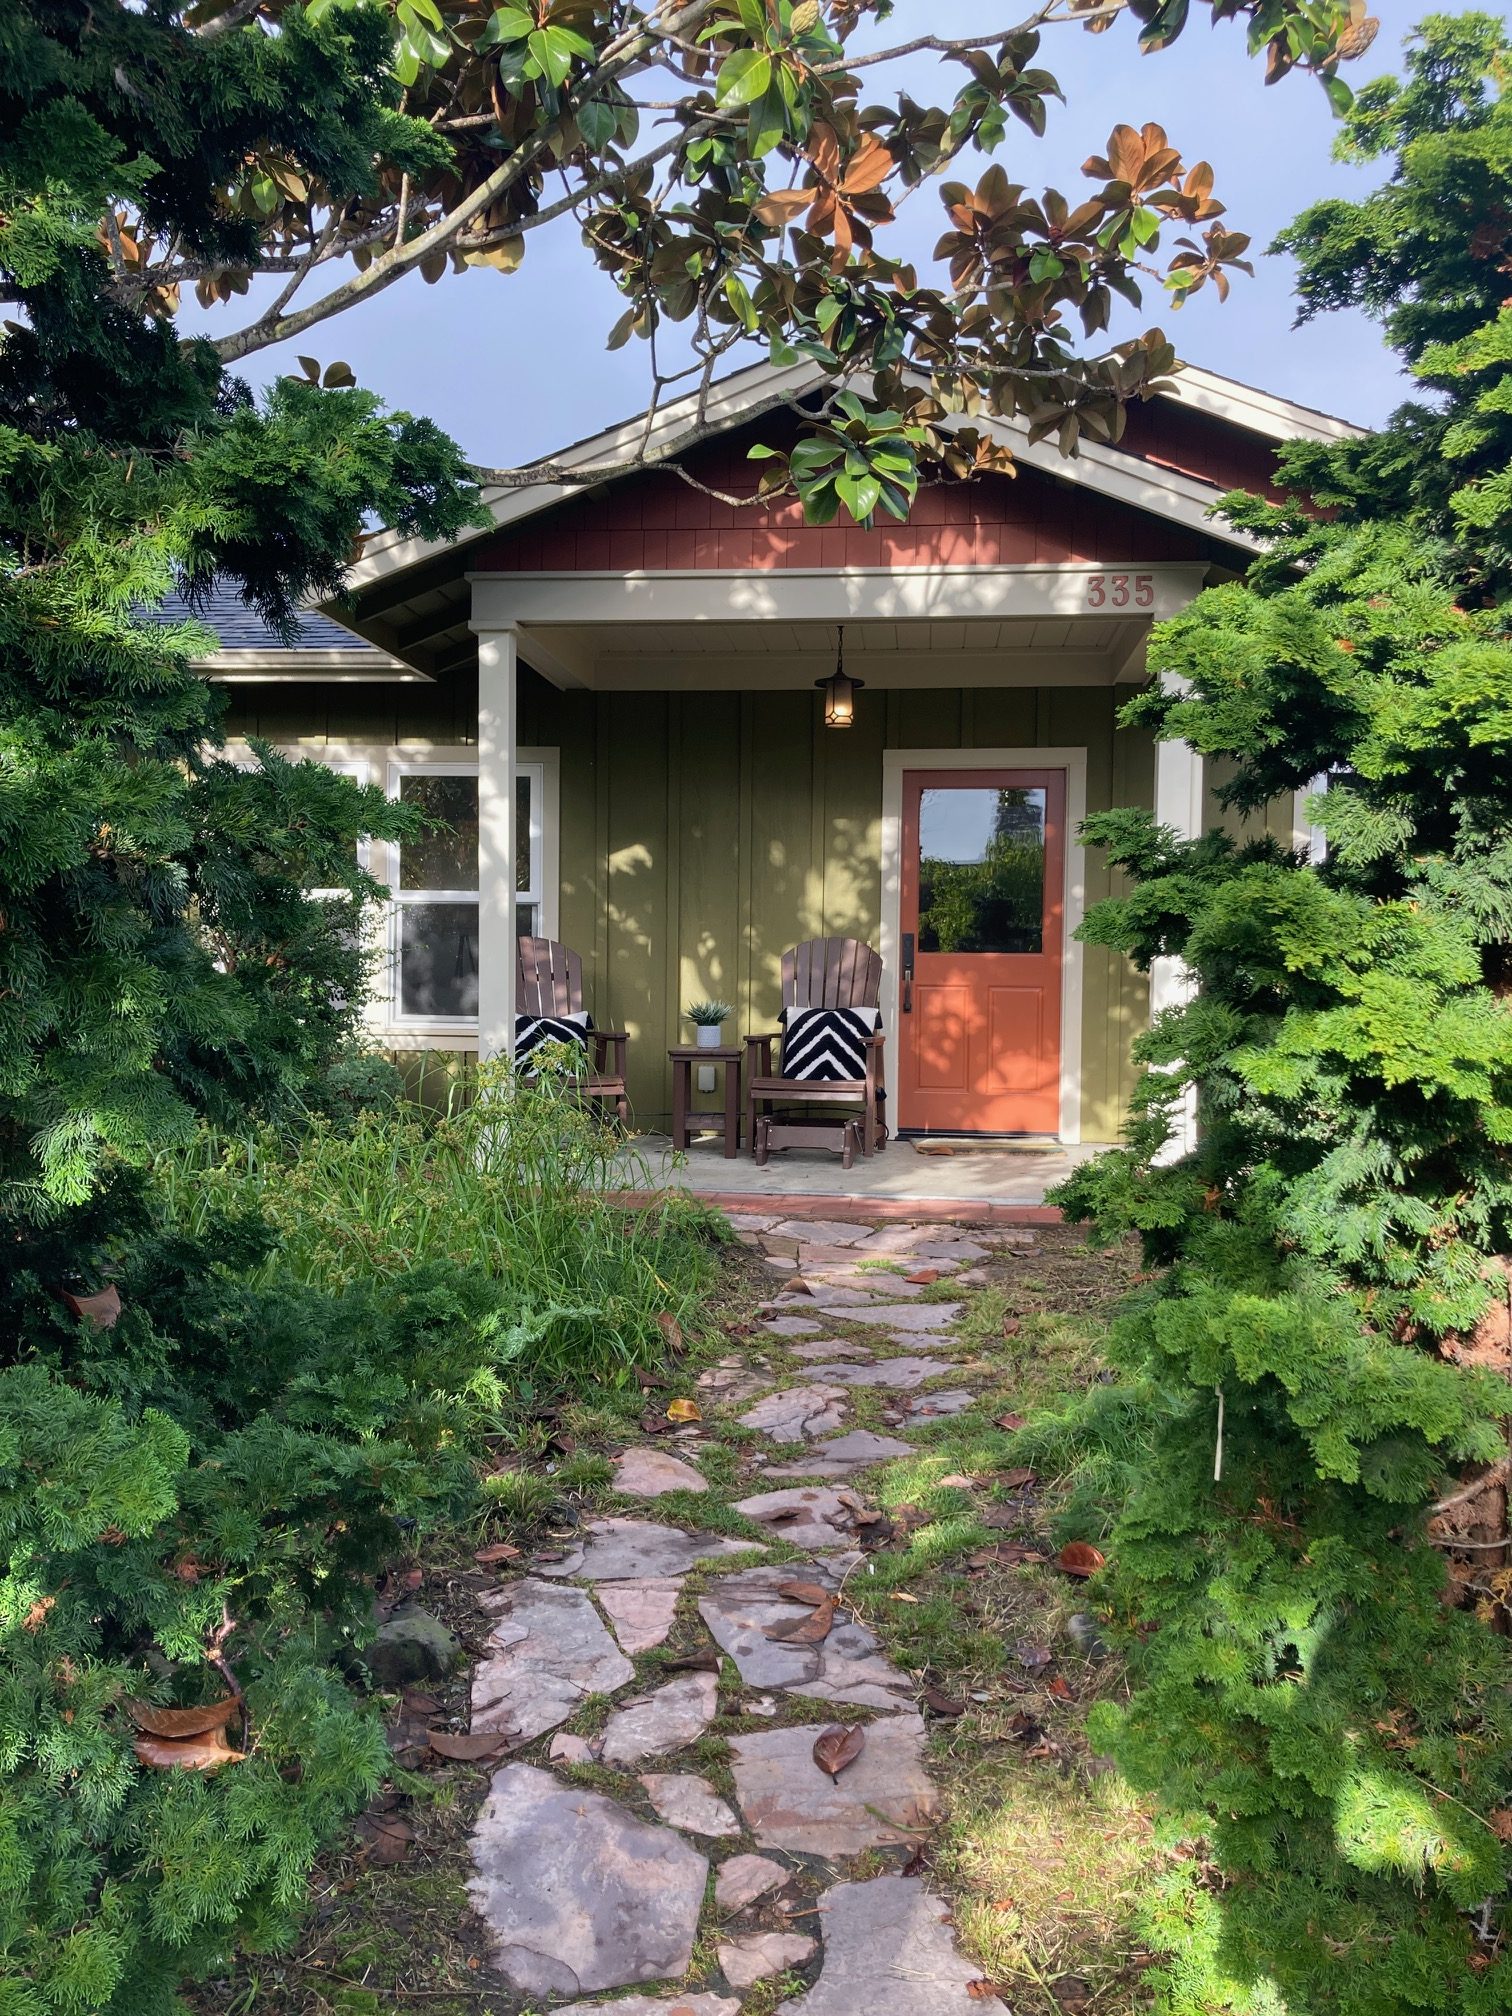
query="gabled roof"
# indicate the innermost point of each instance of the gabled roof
(325, 650)
(745, 395)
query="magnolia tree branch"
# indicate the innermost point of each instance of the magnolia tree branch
(620, 58)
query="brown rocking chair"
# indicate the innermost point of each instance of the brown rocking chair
(549, 981)
(820, 973)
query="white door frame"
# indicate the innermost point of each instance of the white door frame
(1073, 899)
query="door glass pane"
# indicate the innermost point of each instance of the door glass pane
(525, 921)
(447, 859)
(524, 866)
(438, 958)
(981, 869)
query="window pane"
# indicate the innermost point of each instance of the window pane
(981, 869)
(447, 859)
(525, 921)
(438, 959)
(524, 866)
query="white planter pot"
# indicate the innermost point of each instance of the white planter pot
(708, 1037)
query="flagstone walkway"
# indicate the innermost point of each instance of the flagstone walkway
(674, 1870)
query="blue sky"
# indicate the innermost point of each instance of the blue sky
(515, 367)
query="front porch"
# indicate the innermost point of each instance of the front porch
(957, 1182)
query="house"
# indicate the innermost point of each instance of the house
(614, 699)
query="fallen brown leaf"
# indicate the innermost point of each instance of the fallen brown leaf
(924, 1278)
(1009, 1421)
(1035, 1657)
(956, 1481)
(837, 1747)
(983, 1991)
(942, 1704)
(706, 1661)
(901, 1596)
(1011, 1326)
(648, 1381)
(1080, 1558)
(1060, 1687)
(810, 1630)
(205, 1752)
(102, 1311)
(796, 1285)
(388, 1839)
(684, 1410)
(653, 1422)
(179, 1722)
(803, 1592)
(1015, 1480)
(1072, 1993)
(672, 1330)
(500, 1550)
(471, 1748)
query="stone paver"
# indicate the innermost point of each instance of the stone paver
(806, 1518)
(655, 2005)
(640, 1613)
(744, 1878)
(755, 1956)
(799, 1413)
(845, 1667)
(822, 1232)
(547, 1651)
(885, 1797)
(689, 1802)
(576, 1894)
(829, 1347)
(934, 1406)
(914, 1318)
(845, 1455)
(791, 1326)
(887, 1946)
(900, 1373)
(666, 1720)
(651, 1473)
(630, 1550)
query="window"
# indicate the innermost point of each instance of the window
(434, 881)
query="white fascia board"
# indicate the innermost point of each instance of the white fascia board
(336, 665)
(1257, 412)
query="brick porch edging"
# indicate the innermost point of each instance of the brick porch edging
(858, 1210)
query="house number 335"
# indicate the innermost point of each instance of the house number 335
(1120, 591)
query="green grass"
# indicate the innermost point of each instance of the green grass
(515, 1180)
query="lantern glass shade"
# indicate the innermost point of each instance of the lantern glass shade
(839, 692)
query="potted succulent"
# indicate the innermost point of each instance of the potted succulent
(708, 1019)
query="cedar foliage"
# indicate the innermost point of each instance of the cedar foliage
(1321, 1656)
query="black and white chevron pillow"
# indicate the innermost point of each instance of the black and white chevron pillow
(532, 1031)
(826, 1045)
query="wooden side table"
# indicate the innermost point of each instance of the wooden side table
(687, 1118)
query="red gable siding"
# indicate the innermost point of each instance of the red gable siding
(654, 521)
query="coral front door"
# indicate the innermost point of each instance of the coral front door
(979, 1024)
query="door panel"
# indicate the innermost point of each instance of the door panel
(983, 873)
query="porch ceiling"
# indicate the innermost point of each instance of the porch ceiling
(656, 657)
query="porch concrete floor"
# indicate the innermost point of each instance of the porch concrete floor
(986, 1183)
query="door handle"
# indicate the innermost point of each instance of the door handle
(908, 972)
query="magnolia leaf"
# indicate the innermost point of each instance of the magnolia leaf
(205, 1752)
(489, 1557)
(1016, 1479)
(925, 1277)
(180, 1722)
(672, 1330)
(1080, 1558)
(942, 1704)
(810, 1630)
(339, 374)
(1009, 1422)
(1035, 1657)
(684, 1410)
(780, 206)
(803, 1592)
(835, 1748)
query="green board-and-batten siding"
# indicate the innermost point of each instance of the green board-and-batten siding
(703, 833)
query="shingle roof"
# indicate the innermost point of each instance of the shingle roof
(242, 629)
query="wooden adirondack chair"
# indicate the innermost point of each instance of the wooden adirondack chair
(821, 973)
(549, 981)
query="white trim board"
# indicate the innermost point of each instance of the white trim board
(1074, 899)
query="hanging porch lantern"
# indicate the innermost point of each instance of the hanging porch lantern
(839, 690)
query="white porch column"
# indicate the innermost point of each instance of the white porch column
(1178, 803)
(498, 744)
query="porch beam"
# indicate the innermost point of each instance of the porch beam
(557, 662)
(498, 756)
(1122, 589)
(1179, 805)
